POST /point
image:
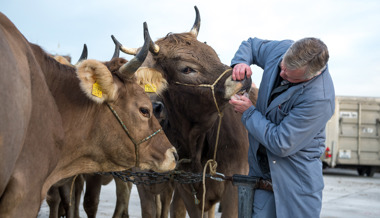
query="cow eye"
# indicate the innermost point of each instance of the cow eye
(188, 70)
(145, 112)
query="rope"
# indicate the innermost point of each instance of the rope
(71, 189)
(212, 165)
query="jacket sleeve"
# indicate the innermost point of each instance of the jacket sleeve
(254, 51)
(295, 132)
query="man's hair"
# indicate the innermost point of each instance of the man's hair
(309, 52)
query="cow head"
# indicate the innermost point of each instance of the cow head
(188, 64)
(113, 83)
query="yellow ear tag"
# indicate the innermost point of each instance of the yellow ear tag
(97, 90)
(150, 88)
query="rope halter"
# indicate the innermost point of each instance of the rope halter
(212, 86)
(136, 143)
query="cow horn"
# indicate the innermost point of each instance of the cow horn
(131, 66)
(131, 51)
(153, 47)
(84, 54)
(197, 23)
(116, 54)
(121, 47)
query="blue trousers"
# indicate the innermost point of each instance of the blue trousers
(263, 204)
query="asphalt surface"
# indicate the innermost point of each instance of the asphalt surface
(346, 195)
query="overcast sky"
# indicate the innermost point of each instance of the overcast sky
(350, 28)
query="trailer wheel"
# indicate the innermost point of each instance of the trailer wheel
(370, 171)
(361, 171)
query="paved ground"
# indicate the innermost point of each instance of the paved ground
(346, 195)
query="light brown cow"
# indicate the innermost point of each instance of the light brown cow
(55, 122)
(64, 197)
(154, 85)
(191, 67)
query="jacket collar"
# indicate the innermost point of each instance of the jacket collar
(296, 88)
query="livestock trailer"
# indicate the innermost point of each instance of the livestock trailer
(352, 135)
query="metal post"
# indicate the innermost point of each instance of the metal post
(246, 191)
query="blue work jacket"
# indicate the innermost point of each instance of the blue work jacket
(291, 127)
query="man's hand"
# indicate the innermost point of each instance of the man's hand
(240, 70)
(240, 105)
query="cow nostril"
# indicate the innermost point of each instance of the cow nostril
(158, 107)
(176, 156)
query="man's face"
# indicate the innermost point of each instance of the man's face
(293, 76)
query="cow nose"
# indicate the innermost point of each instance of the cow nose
(176, 156)
(247, 83)
(158, 107)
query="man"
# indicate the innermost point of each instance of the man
(287, 127)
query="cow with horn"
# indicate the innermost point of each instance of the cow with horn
(201, 123)
(63, 198)
(58, 121)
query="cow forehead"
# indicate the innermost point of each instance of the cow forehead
(183, 43)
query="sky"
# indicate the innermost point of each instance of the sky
(350, 29)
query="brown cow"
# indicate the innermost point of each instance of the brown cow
(154, 85)
(62, 195)
(190, 67)
(53, 127)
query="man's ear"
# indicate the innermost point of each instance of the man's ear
(96, 81)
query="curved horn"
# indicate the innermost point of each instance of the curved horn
(154, 48)
(120, 47)
(131, 66)
(131, 51)
(197, 23)
(116, 53)
(84, 54)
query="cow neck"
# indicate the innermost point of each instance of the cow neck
(48, 65)
(212, 163)
(136, 143)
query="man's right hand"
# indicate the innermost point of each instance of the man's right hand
(240, 70)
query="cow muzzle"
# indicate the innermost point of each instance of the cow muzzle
(167, 162)
(233, 87)
(170, 162)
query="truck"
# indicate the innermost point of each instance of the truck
(353, 135)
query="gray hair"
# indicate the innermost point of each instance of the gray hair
(309, 52)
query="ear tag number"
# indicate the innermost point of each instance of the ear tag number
(97, 90)
(150, 88)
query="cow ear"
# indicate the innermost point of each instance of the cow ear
(96, 81)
